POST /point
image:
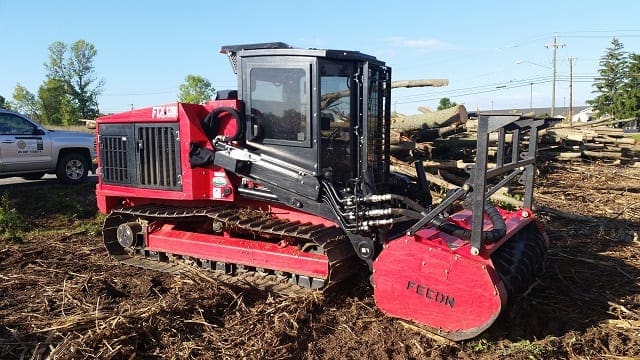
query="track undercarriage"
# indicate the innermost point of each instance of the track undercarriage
(241, 245)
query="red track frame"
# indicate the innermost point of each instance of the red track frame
(258, 254)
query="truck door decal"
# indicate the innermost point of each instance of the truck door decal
(29, 145)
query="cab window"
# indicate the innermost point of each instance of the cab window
(279, 103)
(15, 125)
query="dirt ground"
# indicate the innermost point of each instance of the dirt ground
(62, 297)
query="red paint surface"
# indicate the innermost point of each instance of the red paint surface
(430, 279)
(238, 251)
(196, 182)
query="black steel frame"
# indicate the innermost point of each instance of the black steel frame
(520, 163)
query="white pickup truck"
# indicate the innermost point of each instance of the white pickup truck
(29, 150)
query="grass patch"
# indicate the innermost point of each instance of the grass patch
(527, 349)
(94, 226)
(29, 212)
(70, 202)
(12, 224)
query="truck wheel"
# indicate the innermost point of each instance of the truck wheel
(72, 169)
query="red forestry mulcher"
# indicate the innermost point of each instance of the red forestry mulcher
(287, 182)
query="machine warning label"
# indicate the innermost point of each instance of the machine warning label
(29, 146)
(431, 294)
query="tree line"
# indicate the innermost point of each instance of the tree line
(71, 87)
(69, 91)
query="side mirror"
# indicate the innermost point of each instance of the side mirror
(38, 131)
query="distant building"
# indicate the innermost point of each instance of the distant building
(584, 115)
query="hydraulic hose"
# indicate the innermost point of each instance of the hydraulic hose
(211, 124)
(387, 197)
(409, 214)
(490, 236)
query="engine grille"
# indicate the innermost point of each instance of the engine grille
(115, 159)
(159, 157)
(141, 155)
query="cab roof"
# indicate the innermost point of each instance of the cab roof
(280, 48)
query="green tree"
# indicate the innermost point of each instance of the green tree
(73, 71)
(632, 87)
(609, 85)
(84, 86)
(57, 107)
(56, 65)
(445, 103)
(25, 102)
(4, 104)
(195, 90)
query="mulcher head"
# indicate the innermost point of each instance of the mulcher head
(431, 278)
(454, 275)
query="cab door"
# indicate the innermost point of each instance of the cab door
(277, 93)
(23, 146)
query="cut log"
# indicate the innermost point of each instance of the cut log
(436, 119)
(608, 130)
(330, 98)
(406, 169)
(424, 109)
(396, 137)
(445, 164)
(402, 147)
(602, 154)
(561, 155)
(419, 83)
(592, 146)
(425, 135)
(612, 140)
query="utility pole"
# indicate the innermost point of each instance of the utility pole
(570, 90)
(555, 47)
(531, 97)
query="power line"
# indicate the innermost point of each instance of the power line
(494, 89)
(599, 36)
(511, 83)
(485, 89)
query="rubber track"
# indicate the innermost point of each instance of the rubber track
(331, 240)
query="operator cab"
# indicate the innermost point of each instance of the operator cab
(309, 108)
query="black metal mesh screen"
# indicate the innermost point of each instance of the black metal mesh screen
(159, 157)
(114, 158)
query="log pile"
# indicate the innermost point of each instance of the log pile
(445, 141)
(587, 142)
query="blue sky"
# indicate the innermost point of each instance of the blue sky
(146, 48)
